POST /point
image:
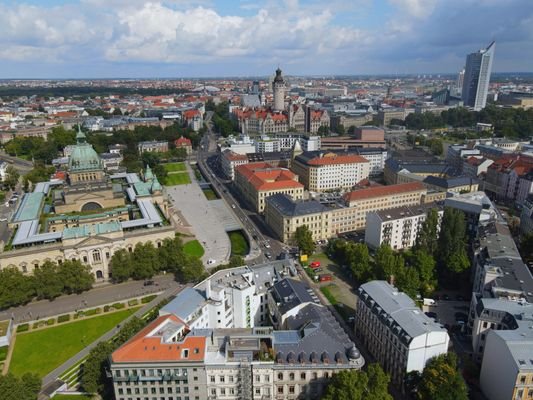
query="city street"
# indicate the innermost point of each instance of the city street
(103, 294)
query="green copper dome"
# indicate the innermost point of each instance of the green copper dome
(83, 156)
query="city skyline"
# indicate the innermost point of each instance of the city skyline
(196, 38)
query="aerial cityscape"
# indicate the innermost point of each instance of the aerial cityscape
(245, 201)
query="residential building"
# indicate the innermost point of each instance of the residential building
(264, 122)
(477, 77)
(256, 181)
(229, 160)
(152, 146)
(183, 143)
(297, 117)
(324, 171)
(526, 216)
(398, 227)
(395, 331)
(386, 116)
(376, 157)
(369, 134)
(456, 155)
(267, 145)
(398, 171)
(476, 207)
(193, 118)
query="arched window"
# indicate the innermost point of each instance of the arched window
(96, 256)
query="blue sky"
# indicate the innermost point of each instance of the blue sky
(188, 38)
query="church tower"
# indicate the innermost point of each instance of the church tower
(278, 86)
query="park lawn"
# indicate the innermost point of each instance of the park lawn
(3, 353)
(44, 350)
(210, 194)
(177, 178)
(175, 167)
(193, 248)
(323, 258)
(71, 397)
(239, 244)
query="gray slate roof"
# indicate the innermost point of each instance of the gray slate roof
(291, 208)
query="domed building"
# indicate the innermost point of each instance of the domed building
(84, 164)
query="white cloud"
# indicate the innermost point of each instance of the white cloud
(415, 8)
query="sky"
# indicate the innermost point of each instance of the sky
(213, 38)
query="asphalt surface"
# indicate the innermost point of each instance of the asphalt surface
(104, 294)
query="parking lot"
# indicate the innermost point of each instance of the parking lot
(449, 312)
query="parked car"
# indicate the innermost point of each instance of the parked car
(325, 278)
(314, 265)
(148, 283)
(461, 317)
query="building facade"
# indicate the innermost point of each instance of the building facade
(325, 171)
(257, 181)
(395, 331)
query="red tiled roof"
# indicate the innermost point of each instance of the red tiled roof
(382, 191)
(190, 114)
(232, 156)
(263, 177)
(332, 159)
(145, 346)
(183, 141)
(474, 161)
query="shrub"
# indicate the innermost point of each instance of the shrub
(148, 299)
(118, 306)
(3, 353)
(63, 318)
(35, 325)
(133, 302)
(88, 313)
(23, 328)
(51, 321)
(106, 308)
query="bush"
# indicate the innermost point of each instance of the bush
(133, 302)
(23, 328)
(107, 308)
(148, 299)
(92, 311)
(51, 321)
(63, 318)
(36, 325)
(118, 306)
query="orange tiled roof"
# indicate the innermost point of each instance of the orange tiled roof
(183, 141)
(148, 345)
(263, 177)
(190, 114)
(382, 191)
(332, 159)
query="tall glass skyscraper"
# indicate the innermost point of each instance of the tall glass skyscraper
(477, 77)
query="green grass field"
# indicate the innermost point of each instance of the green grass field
(3, 353)
(210, 194)
(239, 245)
(43, 350)
(177, 178)
(71, 397)
(175, 167)
(193, 248)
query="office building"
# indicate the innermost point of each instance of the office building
(477, 77)
(326, 171)
(395, 331)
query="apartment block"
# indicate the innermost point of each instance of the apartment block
(229, 160)
(257, 181)
(323, 171)
(397, 227)
(395, 331)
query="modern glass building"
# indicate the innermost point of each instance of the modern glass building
(477, 77)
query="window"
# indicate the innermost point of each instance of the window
(96, 256)
(291, 376)
(222, 379)
(291, 389)
(302, 376)
(280, 389)
(280, 376)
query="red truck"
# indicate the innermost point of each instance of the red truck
(314, 265)
(325, 278)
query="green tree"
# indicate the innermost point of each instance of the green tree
(436, 146)
(387, 263)
(427, 237)
(61, 137)
(12, 177)
(48, 281)
(121, 265)
(526, 247)
(424, 264)
(358, 259)
(304, 240)
(441, 380)
(15, 288)
(452, 242)
(408, 280)
(192, 270)
(26, 387)
(341, 130)
(323, 130)
(359, 385)
(144, 261)
(76, 277)
(93, 376)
